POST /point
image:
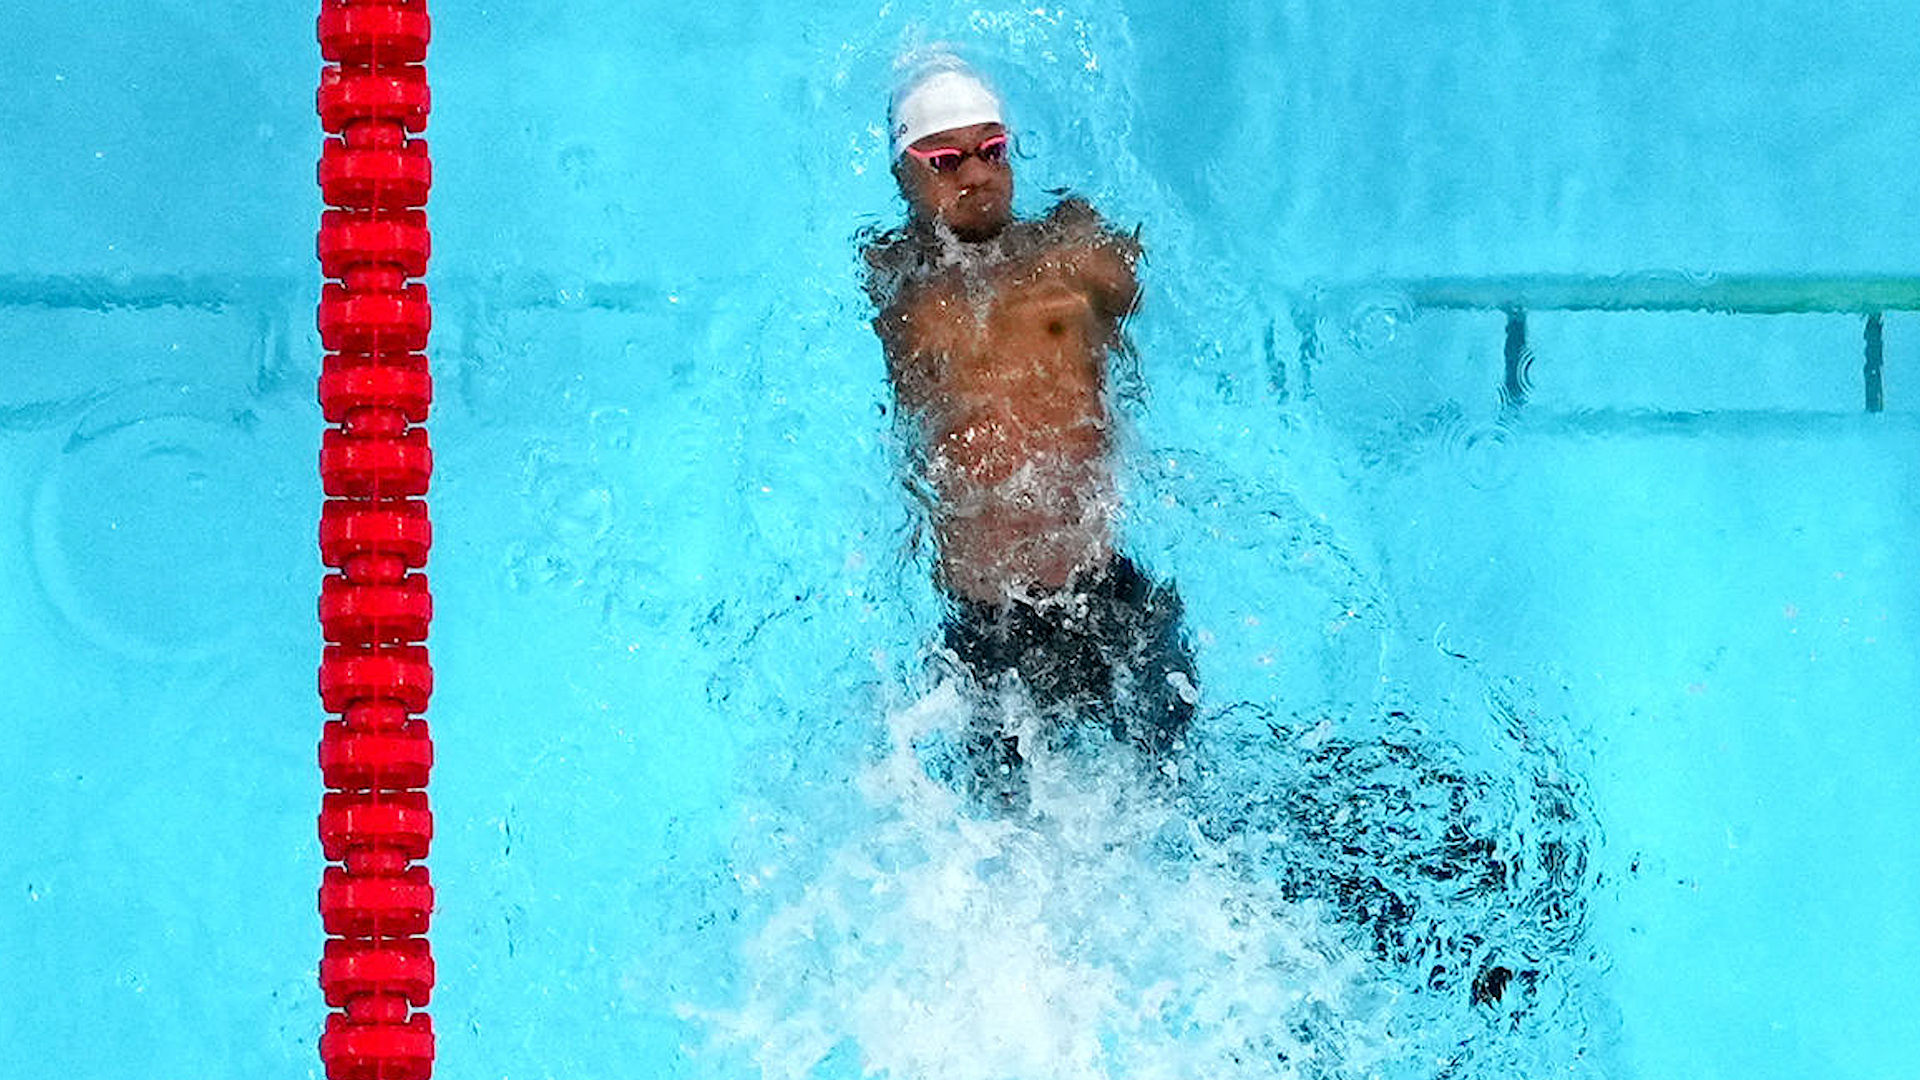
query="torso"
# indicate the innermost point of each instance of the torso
(1002, 367)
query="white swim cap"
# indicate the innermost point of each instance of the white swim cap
(943, 94)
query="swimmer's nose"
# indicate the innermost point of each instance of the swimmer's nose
(975, 173)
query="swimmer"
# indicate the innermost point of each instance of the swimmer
(997, 332)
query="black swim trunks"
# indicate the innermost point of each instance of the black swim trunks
(1108, 650)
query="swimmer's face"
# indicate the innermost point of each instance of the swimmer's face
(975, 198)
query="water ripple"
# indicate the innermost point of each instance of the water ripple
(1480, 453)
(1378, 322)
(135, 527)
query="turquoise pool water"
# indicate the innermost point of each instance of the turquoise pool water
(1612, 692)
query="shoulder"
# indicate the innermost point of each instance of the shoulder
(879, 246)
(1100, 255)
(897, 282)
(1075, 221)
(889, 259)
(1075, 212)
(1077, 218)
(901, 268)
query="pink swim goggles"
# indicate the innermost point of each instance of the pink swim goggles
(946, 159)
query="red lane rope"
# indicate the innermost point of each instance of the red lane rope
(375, 464)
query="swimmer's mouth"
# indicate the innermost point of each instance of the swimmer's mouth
(979, 213)
(981, 200)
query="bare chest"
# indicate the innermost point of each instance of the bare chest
(1031, 348)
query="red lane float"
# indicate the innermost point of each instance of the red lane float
(353, 760)
(374, 320)
(374, 467)
(376, 177)
(378, 34)
(376, 1051)
(350, 969)
(350, 381)
(375, 905)
(362, 93)
(396, 820)
(371, 614)
(396, 527)
(348, 238)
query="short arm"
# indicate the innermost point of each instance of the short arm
(1103, 258)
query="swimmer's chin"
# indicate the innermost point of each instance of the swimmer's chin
(980, 217)
(980, 235)
(980, 230)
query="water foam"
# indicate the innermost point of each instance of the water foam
(1098, 934)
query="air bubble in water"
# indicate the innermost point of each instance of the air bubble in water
(1481, 454)
(1379, 322)
(575, 505)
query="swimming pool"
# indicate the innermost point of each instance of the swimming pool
(1660, 615)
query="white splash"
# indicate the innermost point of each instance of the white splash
(1096, 935)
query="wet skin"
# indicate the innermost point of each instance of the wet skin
(999, 357)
